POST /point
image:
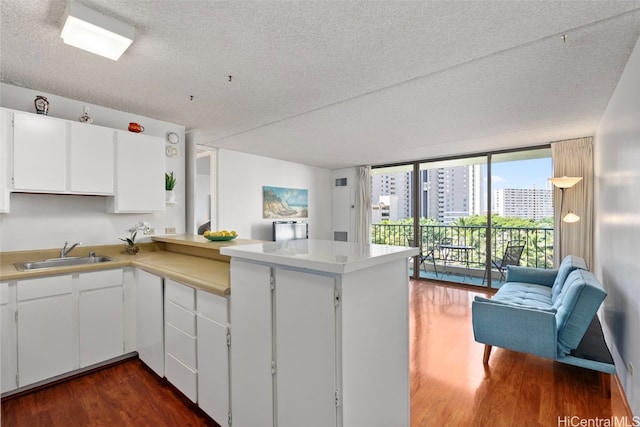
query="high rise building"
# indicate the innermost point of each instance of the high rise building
(446, 193)
(391, 194)
(529, 203)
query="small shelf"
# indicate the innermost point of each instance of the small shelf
(171, 203)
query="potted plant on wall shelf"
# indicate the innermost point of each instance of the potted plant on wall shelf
(169, 184)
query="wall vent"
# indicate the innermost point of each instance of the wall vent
(341, 182)
(340, 236)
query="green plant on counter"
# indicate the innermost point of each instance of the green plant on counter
(169, 181)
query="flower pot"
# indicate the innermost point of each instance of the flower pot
(131, 250)
(170, 196)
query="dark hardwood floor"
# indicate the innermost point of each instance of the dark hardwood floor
(124, 395)
(449, 384)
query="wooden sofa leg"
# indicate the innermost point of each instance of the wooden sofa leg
(605, 379)
(487, 353)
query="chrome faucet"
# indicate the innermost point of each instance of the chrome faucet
(64, 251)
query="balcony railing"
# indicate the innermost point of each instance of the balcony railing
(538, 242)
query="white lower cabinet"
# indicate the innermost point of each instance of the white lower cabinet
(317, 348)
(213, 356)
(197, 347)
(9, 351)
(284, 347)
(54, 325)
(180, 337)
(46, 338)
(305, 349)
(149, 320)
(101, 316)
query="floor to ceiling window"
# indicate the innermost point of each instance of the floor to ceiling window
(442, 208)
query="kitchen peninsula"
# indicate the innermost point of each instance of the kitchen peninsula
(320, 328)
(320, 334)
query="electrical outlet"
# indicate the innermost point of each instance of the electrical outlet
(631, 369)
(170, 230)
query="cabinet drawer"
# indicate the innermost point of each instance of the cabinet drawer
(182, 295)
(180, 318)
(183, 378)
(99, 279)
(213, 307)
(43, 287)
(180, 345)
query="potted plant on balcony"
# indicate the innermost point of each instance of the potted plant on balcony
(169, 184)
(131, 248)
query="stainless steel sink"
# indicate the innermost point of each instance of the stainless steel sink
(61, 262)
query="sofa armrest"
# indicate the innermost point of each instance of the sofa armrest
(518, 328)
(538, 276)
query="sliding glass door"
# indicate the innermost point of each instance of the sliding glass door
(442, 207)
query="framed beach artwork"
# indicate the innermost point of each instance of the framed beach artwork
(278, 202)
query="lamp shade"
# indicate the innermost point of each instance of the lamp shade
(96, 33)
(565, 181)
(571, 217)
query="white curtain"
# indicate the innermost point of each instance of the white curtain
(363, 205)
(574, 157)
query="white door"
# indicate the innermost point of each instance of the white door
(305, 349)
(100, 325)
(39, 153)
(45, 338)
(149, 321)
(92, 159)
(213, 370)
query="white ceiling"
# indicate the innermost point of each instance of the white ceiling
(341, 83)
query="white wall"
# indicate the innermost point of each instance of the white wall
(617, 224)
(38, 221)
(241, 177)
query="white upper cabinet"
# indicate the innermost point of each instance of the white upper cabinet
(4, 161)
(91, 158)
(139, 180)
(39, 153)
(59, 156)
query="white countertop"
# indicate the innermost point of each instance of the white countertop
(320, 255)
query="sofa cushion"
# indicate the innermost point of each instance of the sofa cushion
(524, 294)
(540, 276)
(568, 264)
(577, 303)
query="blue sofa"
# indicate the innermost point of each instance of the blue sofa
(550, 313)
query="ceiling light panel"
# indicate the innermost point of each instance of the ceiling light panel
(96, 33)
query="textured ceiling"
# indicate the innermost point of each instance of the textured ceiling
(340, 83)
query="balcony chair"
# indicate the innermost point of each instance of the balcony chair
(426, 256)
(511, 256)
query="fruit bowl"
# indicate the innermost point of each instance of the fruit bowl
(220, 238)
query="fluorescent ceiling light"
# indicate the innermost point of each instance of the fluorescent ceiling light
(96, 33)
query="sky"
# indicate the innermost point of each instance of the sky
(522, 174)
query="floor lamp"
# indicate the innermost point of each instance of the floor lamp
(563, 183)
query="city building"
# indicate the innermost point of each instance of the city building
(530, 203)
